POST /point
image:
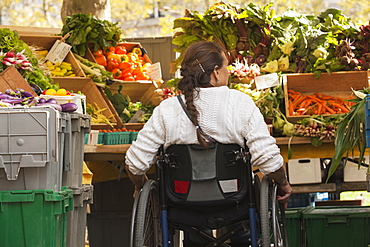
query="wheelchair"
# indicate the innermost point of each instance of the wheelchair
(200, 190)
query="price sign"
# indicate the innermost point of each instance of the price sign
(266, 81)
(58, 52)
(154, 71)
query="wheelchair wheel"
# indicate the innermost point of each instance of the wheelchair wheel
(271, 226)
(145, 217)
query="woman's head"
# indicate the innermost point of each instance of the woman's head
(204, 65)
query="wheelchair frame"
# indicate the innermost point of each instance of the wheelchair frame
(150, 227)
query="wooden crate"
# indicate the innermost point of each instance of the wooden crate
(139, 91)
(46, 42)
(93, 94)
(338, 84)
(10, 78)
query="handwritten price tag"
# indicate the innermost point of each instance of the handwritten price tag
(58, 52)
(154, 71)
(266, 81)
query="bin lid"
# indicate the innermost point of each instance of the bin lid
(351, 211)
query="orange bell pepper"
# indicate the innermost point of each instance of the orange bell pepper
(112, 64)
(117, 73)
(120, 49)
(102, 60)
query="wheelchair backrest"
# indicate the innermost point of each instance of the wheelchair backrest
(198, 176)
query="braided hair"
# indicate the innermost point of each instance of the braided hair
(199, 62)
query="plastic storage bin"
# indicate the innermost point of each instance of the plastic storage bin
(32, 151)
(74, 149)
(351, 171)
(337, 226)
(77, 218)
(109, 229)
(304, 171)
(294, 226)
(34, 217)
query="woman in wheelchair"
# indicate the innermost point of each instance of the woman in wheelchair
(206, 113)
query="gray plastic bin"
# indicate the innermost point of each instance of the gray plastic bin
(32, 148)
(74, 149)
(77, 218)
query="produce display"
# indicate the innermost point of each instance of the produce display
(125, 65)
(95, 71)
(86, 29)
(96, 115)
(127, 109)
(15, 52)
(288, 43)
(22, 98)
(317, 104)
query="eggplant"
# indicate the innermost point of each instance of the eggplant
(6, 96)
(52, 101)
(69, 107)
(13, 101)
(42, 100)
(55, 106)
(26, 94)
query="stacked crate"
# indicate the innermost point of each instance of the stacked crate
(42, 199)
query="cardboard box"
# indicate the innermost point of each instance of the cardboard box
(88, 88)
(338, 84)
(304, 171)
(46, 42)
(10, 78)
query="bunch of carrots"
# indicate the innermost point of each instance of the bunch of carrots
(316, 104)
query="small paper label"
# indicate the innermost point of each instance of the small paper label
(228, 186)
(266, 81)
(154, 71)
(136, 116)
(58, 52)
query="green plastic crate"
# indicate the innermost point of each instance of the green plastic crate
(337, 226)
(125, 137)
(31, 218)
(294, 226)
(133, 136)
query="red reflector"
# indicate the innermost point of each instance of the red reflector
(181, 186)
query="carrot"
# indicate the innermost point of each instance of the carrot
(291, 108)
(328, 109)
(340, 107)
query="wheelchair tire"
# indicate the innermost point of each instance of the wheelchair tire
(271, 226)
(146, 216)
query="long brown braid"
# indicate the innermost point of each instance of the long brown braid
(200, 60)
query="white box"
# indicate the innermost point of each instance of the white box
(351, 172)
(304, 171)
(79, 100)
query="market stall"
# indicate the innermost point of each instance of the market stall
(307, 94)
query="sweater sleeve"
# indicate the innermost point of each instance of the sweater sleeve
(262, 146)
(142, 153)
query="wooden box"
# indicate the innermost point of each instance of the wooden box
(10, 78)
(338, 84)
(93, 94)
(46, 42)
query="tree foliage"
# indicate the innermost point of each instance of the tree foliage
(131, 15)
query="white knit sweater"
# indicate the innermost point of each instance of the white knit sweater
(229, 116)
